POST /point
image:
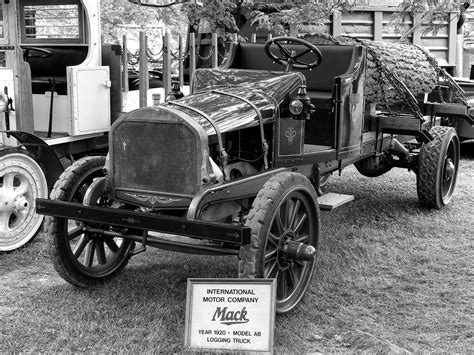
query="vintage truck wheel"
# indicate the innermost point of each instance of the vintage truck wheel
(438, 164)
(22, 180)
(284, 220)
(83, 258)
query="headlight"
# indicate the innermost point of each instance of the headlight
(296, 107)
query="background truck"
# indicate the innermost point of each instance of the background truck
(59, 92)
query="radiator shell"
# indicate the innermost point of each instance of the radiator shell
(158, 158)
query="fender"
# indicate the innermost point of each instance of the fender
(44, 154)
(229, 191)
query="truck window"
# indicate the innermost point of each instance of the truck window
(51, 23)
(2, 36)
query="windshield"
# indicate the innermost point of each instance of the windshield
(51, 22)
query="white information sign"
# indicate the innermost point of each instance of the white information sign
(230, 314)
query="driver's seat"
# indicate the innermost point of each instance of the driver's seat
(336, 60)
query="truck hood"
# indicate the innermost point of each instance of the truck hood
(231, 98)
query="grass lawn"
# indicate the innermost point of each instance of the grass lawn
(391, 277)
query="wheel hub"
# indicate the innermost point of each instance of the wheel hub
(290, 250)
(10, 201)
(448, 170)
(15, 202)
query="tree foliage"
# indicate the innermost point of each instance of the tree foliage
(122, 17)
(218, 14)
(435, 13)
(277, 16)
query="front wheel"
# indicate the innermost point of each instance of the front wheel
(83, 257)
(22, 181)
(284, 221)
(438, 164)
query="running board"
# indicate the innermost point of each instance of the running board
(332, 200)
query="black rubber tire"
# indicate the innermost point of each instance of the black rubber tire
(438, 164)
(272, 198)
(72, 186)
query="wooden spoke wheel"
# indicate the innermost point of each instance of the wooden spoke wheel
(285, 229)
(82, 254)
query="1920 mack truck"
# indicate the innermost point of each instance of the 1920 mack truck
(235, 167)
(55, 102)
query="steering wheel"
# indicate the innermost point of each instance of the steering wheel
(45, 53)
(290, 56)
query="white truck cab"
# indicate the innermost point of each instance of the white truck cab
(55, 102)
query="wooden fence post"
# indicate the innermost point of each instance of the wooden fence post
(166, 64)
(215, 51)
(143, 70)
(181, 62)
(125, 64)
(192, 55)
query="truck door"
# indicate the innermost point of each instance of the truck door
(350, 108)
(90, 89)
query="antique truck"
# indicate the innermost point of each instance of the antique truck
(235, 167)
(56, 105)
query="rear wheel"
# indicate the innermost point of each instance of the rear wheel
(22, 181)
(438, 164)
(284, 220)
(83, 257)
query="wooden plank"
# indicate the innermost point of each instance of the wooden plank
(378, 26)
(416, 39)
(337, 23)
(332, 200)
(451, 57)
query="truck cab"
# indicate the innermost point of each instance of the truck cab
(58, 51)
(56, 101)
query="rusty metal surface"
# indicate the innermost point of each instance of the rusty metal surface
(266, 90)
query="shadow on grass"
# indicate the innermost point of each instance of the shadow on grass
(467, 150)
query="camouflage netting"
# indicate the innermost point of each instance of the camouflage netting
(412, 65)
